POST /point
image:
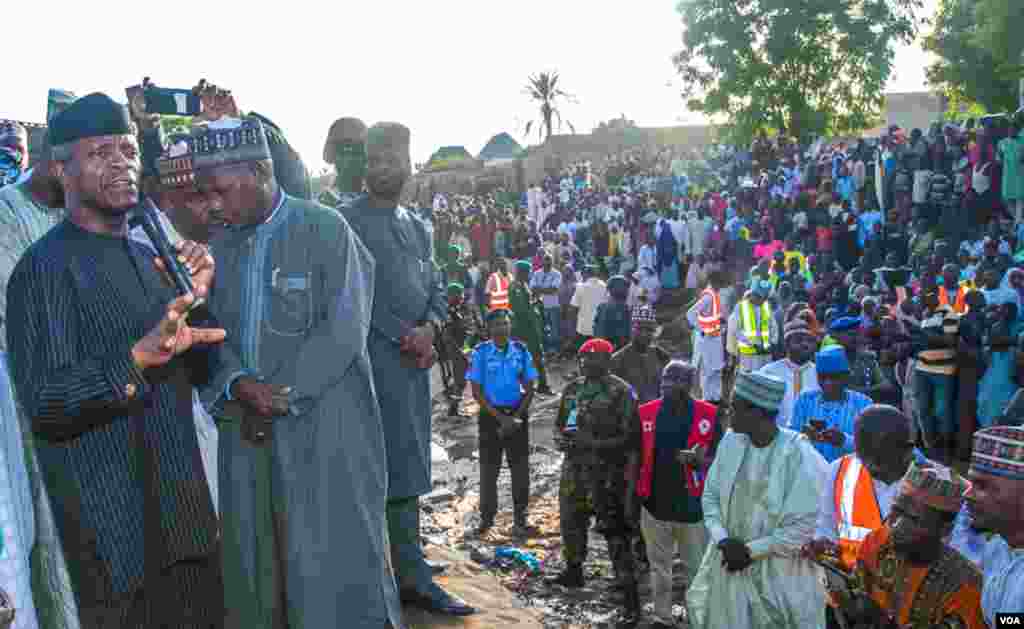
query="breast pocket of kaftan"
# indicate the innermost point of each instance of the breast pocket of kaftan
(290, 307)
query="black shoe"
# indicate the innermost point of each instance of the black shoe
(438, 601)
(631, 605)
(571, 577)
(545, 391)
(484, 528)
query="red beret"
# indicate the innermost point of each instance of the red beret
(597, 346)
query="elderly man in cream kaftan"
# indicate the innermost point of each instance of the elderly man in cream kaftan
(767, 497)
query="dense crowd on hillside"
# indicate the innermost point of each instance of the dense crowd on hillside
(216, 400)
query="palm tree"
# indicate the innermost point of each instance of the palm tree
(543, 89)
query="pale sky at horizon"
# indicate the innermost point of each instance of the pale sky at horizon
(451, 70)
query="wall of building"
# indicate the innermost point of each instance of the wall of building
(914, 110)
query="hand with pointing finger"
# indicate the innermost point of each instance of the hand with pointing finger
(173, 336)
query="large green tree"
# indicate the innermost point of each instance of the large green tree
(978, 56)
(800, 67)
(543, 90)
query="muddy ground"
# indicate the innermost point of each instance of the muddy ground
(451, 511)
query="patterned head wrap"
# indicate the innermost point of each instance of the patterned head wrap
(13, 151)
(766, 392)
(937, 486)
(643, 315)
(597, 346)
(999, 451)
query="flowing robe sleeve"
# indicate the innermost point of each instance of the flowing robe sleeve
(802, 484)
(711, 501)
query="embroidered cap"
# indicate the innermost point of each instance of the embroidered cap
(524, 265)
(999, 451)
(456, 289)
(761, 390)
(597, 346)
(228, 141)
(935, 485)
(175, 166)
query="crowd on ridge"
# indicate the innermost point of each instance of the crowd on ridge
(843, 447)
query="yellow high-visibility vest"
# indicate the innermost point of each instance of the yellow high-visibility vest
(751, 334)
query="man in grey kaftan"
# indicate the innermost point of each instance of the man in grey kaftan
(303, 506)
(409, 306)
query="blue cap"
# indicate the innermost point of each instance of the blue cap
(844, 324)
(761, 288)
(832, 360)
(499, 312)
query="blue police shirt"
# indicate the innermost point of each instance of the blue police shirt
(499, 373)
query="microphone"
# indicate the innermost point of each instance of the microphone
(146, 216)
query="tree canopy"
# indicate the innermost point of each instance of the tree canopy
(978, 58)
(799, 67)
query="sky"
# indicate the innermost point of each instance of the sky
(453, 71)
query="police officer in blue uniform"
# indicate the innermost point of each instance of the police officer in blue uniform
(502, 373)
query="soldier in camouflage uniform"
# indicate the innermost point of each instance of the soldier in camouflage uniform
(527, 322)
(596, 428)
(462, 325)
(346, 150)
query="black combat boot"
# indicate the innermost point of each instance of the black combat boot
(571, 577)
(631, 603)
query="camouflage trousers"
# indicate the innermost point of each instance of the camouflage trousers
(598, 490)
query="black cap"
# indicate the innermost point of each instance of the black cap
(88, 117)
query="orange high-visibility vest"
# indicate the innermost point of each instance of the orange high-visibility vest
(856, 508)
(497, 292)
(711, 325)
(959, 304)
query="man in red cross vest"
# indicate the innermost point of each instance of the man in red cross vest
(677, 442)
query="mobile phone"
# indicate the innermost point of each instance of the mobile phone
(168, 101)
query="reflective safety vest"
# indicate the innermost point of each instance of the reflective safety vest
(711, 325)
(497, 292)
(750, 335)
(856, 508)
(959, 305)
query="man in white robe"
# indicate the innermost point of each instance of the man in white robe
(760, 507)
(995, 502)
(797, 369)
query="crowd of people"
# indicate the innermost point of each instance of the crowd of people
(842, 445)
